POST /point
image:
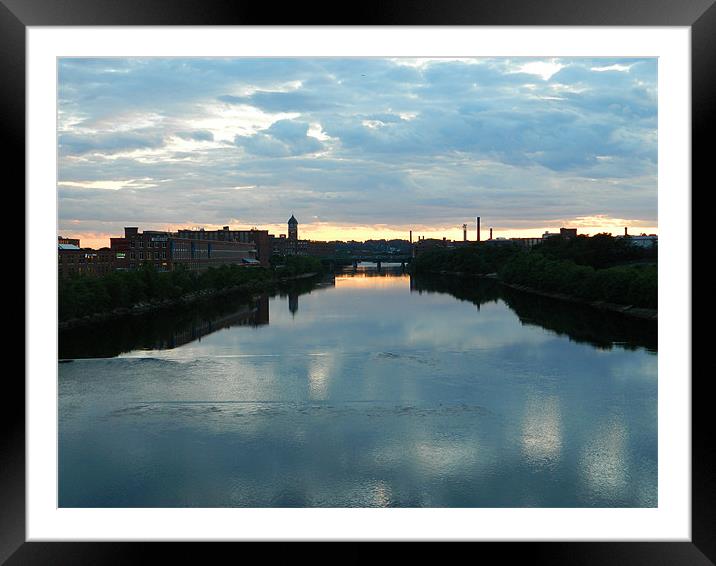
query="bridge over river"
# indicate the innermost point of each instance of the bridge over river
(378, 259)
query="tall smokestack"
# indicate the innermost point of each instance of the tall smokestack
(625, 231)
(478, 228)
(490, 233)
(464, 232)
(411, 236)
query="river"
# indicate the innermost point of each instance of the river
(367, 389)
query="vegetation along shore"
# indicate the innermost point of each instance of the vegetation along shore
(86, 299)
(602, 270)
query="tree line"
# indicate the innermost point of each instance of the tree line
(635, 285)
(597, 268)
(82, 295)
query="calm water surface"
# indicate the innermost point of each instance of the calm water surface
(370, 389)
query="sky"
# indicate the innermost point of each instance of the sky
(357, 148)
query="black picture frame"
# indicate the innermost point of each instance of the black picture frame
(17, 15)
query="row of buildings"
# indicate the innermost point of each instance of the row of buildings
(193, 249)
(198, 249)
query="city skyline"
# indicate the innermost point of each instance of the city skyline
(357, 148)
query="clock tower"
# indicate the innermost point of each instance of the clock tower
(292, 228)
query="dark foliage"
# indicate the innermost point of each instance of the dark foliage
(599, 251)
(628, 285)
(597, 268)
(472, 260)
(290, 266)
(85, 295)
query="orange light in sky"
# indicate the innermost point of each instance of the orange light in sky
(589, 225)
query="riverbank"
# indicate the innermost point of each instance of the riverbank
(601, 271)
(302, 276)
(145, 307)
(250, 290)
(629, 310)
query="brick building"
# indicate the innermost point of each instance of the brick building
(284, 246)
(166, 250)
(292, 245)
(259, 238)
(71, 241)
(73, 260)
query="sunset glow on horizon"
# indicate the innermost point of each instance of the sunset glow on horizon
(320, 232)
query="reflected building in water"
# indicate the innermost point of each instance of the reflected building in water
(293, 302)
(305, 287)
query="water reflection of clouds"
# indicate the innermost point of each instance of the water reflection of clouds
(376, 408)
(604, 462)
(381, 494)
(445, 457)
(493, 327)
(319, 375)
(637, 367)
(542, 431)
(353, 318)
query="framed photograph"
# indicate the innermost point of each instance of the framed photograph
(391, 280)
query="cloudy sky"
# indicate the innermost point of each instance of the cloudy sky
(357, 148)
